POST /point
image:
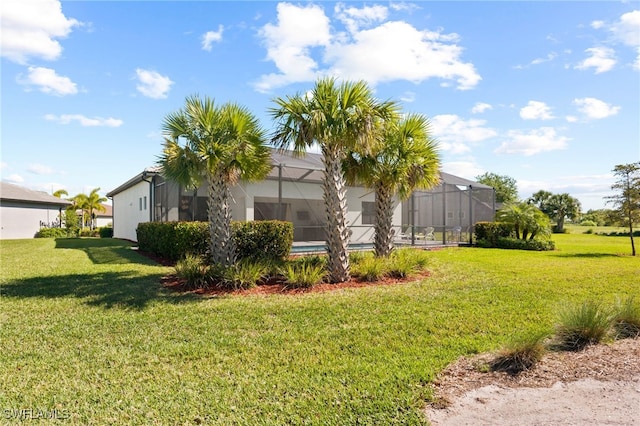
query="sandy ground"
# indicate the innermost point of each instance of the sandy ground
(598, 386)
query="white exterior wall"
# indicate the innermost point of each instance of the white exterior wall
(127, 213)
(103, 221)
(22, 220)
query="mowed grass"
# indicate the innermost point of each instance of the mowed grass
(86, 329)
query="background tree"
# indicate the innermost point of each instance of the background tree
(219, 144)
(506, 187)
(627, 199)
(406, 159)
(558, 207)
(339, 118)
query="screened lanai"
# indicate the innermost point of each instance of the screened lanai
(293, 192)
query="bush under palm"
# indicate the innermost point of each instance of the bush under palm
(303, 275)
(195, 271)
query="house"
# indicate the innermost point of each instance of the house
(24, 211)
(293, 192)
(104, 218)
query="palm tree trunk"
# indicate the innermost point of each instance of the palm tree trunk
(337, 233)
(219, 213)
(383, 240)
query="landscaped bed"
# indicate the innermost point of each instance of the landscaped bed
(89, 330)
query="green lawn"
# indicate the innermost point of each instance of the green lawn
(87, 330)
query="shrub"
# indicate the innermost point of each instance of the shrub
(516, 244)
(51, 233)
(588, 231)
(588, 223)
(626, 319)
(72, 223)
(303, 275)
(243, 275)
(370, 268)
(521, 354)
(491, 231)
(263, 240)
(582, 326)
(194, 270)
(404, 262)
(106, 232)
(173, 240)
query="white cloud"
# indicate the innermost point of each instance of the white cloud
(593, 108)
(627, 29)
(289, 42)
(455, 134)
(571, 118)
(14, 178)
(3, 165)
(602, 59)
(532, 142)
(536, 110)
(302, 46)
(210, 37)
(408, 97)
(596, 25)
(480, 107)
(354, 18)
(40, 169)
(152, 84)
(85, 121)
(30, 29)
(49, 82)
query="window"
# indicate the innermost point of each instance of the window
(368, 212)
(140, 203)
(144, 204)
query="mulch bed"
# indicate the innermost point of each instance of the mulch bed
(274, 286)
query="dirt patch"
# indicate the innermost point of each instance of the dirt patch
(598, 385)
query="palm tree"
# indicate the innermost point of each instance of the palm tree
(339, 118)
(80, 202)
(527, 220)
(94, 204)
(563, 206)
(219, 144)
(60, 192)
(405, 160)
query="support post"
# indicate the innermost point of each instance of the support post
(280, 192)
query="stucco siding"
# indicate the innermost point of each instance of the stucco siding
(22, 220)
(131, 207)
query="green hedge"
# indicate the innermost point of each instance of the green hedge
(263, 240)
(517, 244)
(491, 231)
(173, 239)
(106, 232)
(255, 240)
(52, 233)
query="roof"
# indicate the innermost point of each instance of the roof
(306, 167)
(11, 192)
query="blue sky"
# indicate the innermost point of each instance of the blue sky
(545, 92)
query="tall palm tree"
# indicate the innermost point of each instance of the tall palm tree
(339, 118)
(406, 159)
(218, 144)
(94, 204)
(563, 206)
(80, 202)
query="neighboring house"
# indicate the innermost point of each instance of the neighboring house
(293, 192)
(104, 218)
(24, 211)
